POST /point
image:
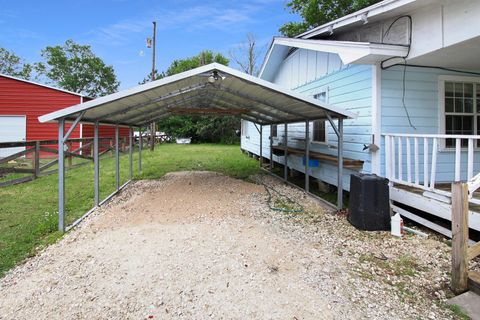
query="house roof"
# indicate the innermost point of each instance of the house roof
(381, 10)
(42, 85)
(348, 51)
(210, 89)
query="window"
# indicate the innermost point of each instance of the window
(461, 110)
(319, 128)
(273, 128)
(244, 129)
(319, 131)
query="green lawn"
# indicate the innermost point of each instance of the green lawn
(28, 211)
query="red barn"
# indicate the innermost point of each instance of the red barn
(22, 102)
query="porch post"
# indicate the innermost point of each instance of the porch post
(96, 165)
(117, 162)
(61, 176)
(285, 152)
(340, 165)
(140, 145)
(130, 151)
(307, 156)
(271, 151)
(261, 146)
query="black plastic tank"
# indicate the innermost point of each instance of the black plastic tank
(369, 203)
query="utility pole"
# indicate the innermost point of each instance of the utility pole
(153, 129)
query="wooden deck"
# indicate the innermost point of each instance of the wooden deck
(438, 204)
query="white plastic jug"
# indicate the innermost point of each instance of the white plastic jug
(396, 224)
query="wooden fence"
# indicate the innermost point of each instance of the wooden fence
(31, 156)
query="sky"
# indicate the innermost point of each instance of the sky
(117, 29)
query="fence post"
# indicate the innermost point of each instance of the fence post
(36, 160)
(459, 237)
(69, 149)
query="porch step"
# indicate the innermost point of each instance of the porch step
(469, 302)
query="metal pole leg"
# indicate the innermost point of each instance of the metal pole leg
(340, 165)
(117, 161)
(130, 153)
(96, 164)
(307, 156)
(285, 143)
(61, 176)
(271, 150)
(140, 145)
(261, 146)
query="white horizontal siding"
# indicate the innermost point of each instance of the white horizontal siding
(421, 102)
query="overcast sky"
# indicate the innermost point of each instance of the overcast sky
(116, 29)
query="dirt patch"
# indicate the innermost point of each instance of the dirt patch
(197, 245)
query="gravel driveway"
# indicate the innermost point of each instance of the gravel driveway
(199, 245)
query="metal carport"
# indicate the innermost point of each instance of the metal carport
(211, 89)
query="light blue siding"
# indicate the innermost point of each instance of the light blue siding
(422, 104)
(349, 88)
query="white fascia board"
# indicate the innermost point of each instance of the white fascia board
(349, 52)
(356, 17)
(200, 70)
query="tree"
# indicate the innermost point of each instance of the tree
(148, 78)
(216, 129)
(203, 58)
(13, 65)
(76, 68)
(246, 55)
(317, 12)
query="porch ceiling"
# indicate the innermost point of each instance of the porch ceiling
(210, 89)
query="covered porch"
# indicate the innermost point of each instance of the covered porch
(211, 89)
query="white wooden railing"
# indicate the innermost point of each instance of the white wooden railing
(405, 164)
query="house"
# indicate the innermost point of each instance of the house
(22, 102)
(410, 71)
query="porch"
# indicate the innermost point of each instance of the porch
(421, 169)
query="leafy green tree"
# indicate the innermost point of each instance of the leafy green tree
(213, 129)
(13, 65)
(76, 68)
(203, 58)
(317, 12)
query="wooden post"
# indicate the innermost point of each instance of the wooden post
(459, 237)
(36, 161)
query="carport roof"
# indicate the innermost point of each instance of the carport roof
(211, 89)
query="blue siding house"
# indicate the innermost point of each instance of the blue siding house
(409, 70)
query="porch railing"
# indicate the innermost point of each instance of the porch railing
(412, 160)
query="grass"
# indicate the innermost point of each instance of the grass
(28, 211)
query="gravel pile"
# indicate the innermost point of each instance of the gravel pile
(199, 245)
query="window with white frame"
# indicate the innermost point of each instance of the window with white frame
(244, 128)
(274, 133)
(461, 101)
(319, 127)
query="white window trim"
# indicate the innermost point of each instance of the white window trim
(441, 107)
(327, 98)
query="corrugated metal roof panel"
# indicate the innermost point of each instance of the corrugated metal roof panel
(211, 89)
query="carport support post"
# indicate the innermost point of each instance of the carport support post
(261, 147)
(96, 164)
(340, 165)
(307, 156)
(117, 162)
(140, 144)
(271, 151)
(285, 152)
(61, 176)
(130, 150)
